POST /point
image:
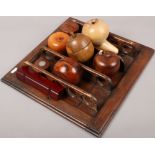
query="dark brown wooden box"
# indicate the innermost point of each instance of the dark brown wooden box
(95, 122)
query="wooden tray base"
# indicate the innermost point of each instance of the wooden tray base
(93, 123)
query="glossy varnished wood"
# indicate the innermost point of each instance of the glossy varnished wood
(92, 121)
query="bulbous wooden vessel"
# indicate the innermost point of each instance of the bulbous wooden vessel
(107, 63)
(98, 31)
(69, 70)
(80, 47)
(57, 42)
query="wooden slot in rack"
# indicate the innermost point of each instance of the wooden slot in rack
(93, 101)
(66, 84)
(86, 68)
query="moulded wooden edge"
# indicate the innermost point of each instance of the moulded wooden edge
(114, 102)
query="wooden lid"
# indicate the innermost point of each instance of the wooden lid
(77, 42)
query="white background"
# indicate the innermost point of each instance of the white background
(82, 8)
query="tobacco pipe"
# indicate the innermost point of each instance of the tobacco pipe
(34, 79)
(98, 31)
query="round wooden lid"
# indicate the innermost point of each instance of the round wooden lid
(77, 42)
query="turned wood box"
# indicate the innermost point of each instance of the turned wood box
(93, 102)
